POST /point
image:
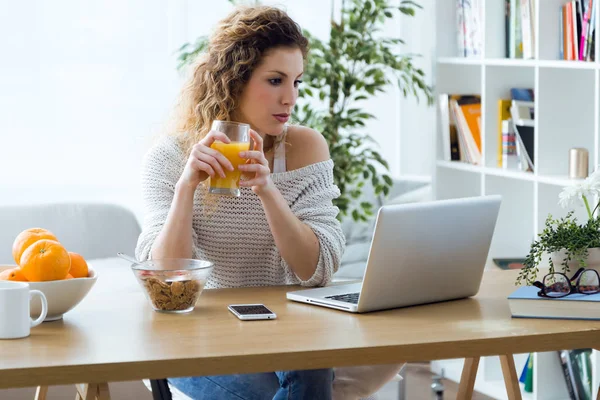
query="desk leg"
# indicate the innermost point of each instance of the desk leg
(41, 393)
(510, 377)
(87, 391)
(103, 392)
(467, 379)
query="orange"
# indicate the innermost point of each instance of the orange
(13, 274)
(45, 260)
(79, 268)
(69, 276)
(28, 237)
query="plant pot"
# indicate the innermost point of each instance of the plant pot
(593, 260)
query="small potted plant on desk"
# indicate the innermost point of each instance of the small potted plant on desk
(567, 244)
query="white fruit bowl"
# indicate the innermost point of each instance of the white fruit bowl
(62, 295)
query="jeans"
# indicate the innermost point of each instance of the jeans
(313, 384)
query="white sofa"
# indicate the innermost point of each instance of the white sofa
(359, 234)
(95, 230)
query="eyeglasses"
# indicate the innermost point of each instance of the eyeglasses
(556, 285)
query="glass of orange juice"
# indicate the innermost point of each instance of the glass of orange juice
(239, 135)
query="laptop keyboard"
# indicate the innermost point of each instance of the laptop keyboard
(347, 298)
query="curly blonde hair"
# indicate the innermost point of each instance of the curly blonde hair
(234, 50)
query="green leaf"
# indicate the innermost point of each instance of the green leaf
(407, 11)
(366, 205)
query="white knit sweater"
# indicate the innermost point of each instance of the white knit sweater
(233, 233)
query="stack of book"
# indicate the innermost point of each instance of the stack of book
(469, 17)
(460, 118)
(577, 369)
(516, 130)
(519, 20)
(525, 303)
(577, 30)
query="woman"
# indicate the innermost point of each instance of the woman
(283, 228)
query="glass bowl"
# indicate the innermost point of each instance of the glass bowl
(172, 285)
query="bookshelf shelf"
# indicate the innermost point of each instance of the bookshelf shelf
(556, 180)
(567, 114)
(459, 165)
(567, 64)
(526, 176)
(509, 62)
(459, 61)
(520, 63)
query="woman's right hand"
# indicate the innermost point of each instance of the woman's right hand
(204, 161)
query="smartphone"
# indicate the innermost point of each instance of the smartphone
(248, 312)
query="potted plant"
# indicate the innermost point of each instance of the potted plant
(565, 242)
(355, 64)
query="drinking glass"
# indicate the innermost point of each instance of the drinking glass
(239, 135)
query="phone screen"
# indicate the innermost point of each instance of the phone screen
(251, 309)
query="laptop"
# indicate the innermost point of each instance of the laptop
(420, 253)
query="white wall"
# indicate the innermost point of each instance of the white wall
(417, 122)
(84, 86)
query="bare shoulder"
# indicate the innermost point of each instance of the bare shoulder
(305, 146)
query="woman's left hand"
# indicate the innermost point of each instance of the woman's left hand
(256, 168)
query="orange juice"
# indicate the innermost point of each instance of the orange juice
(232, 178)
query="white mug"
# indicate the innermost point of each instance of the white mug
(15, 321)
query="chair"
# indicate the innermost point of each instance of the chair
(160, 389)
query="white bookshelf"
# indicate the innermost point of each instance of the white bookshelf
(567, 113)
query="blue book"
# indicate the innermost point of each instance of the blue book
(523, 376)
(522, 94)
(525, 303)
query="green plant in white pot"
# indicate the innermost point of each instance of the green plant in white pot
(566, 243)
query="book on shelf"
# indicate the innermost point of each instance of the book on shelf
(460, 119)
(510, 156)
(522, 94)
(503, 115)
(516, 130)
(469, 17)
(519, 27)
(527, 28)
(577, 30)
(526, 377)
(450, 144)
(525, 303)
(523, 125)
(576, 367)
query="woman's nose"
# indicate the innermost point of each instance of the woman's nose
(289, 96)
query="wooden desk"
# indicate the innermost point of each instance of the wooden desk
(114, 335)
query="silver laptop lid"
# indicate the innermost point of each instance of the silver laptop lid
(428, 252)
